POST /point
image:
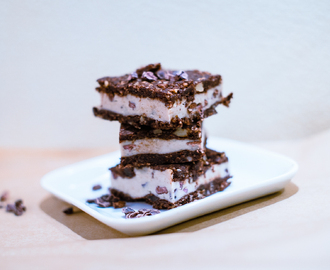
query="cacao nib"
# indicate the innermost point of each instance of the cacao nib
(127, 210)
(97, 187)
(129, 147)
(18, 208)
(149, 76)
(131, 105)
(163, 75)
(161, 190)
(180, 75)
(132, 76)
(131, 213)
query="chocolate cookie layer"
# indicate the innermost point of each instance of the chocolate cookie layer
(183, 156)
(131, 133)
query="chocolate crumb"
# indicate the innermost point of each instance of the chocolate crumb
(119, 204)
(97, 187)
(4, 196)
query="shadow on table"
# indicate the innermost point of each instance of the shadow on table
(91, 229)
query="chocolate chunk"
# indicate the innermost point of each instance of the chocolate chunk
(4, 196)
(68, 211)
(149, 76)
(150, 67)
(161, 190)
(97, 187)
(129, 172)
(122, 171)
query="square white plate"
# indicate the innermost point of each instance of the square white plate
(256, 173)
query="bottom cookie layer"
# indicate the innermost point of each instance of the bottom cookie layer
(218, 184)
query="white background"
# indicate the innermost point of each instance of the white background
(274, 56)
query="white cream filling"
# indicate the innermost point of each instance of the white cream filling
(148, 181)
(158, 146)
(154, 108)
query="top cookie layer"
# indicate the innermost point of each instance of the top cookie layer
(156, 83)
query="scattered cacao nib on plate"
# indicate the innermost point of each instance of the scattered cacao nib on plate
(17, 208)
(4, 196)
(97, 187)
(131, 213)
(108, 200)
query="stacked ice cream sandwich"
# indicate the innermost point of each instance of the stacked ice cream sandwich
(164, 159)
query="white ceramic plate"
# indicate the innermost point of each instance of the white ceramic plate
(256, 173)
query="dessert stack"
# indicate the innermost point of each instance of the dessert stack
(164, 159)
